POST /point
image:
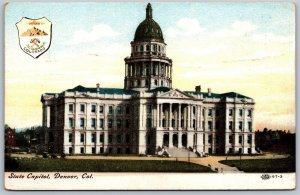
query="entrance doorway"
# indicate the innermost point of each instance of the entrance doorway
(166, 140)
(175, 140)
(184, 140)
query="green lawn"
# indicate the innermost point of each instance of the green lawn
(281, 165)
(84, 165)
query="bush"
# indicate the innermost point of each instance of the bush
(10, 163)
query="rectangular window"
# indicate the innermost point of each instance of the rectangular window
(149, 109)
(217, 112)
(249, 139)
(93, 137)
(127, 110)
(101, 123)
(209, 125)
(194, 110)
(110, 110)
(203, 124)
(203, 112)
(230, 125)
(93, 150)
(71, 123)
(148, 123)
(101, 150)
(82, 107)
(240, 125)
(110, 123)
(93, 122)
(249, 113)
(71, 109)
(82, 122)
(82, 150)
(70, 150)
(101, 109)
(70, 137)
(119, 110)
(127, 138)
(230, 112)
(240, 139)
(119, 138)
(93, 108)
(109, 138)
(82, 137)
(101, 138)
(230, 139)
(241, 112)
(127, 123)
(250, 126)
(210, 139)
(173, 123)
(209, 112)
(119, 123)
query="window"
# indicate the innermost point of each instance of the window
(249, 140)
(82, 150)
(209, 125)
(82, 122)
(110, 110)
(70, 137)
(148, 123)
(217, 139)
(93, 108)
(209, 112)
(71, 109)
(93, 122)
(127, 138)
(173, 123)
(240, 112)
(109, 138)
(101, 109)
(194, 110)
(147, 48)
(249, 113)
(127, 123)
(240, 139)
(101, 137)
(240, 150)
(230, 150)
(127, 110)
(101, 150)
(155, 82)
(82, 107)
(250, 126)
(240, 125)
(209, 139)
(70, 150)
(82, 137)
(71, 122)
(110, 123)
(141, 48)
(230, 125)
(230, 139)
(119, 138)
(149, 109)
(110, 150)
(217, 112)
(138, 83)
(101, 123)
(119, 110)
(203, 124)
(93, 150)
(119, 123)
(93, 140)
(162, 83)
(194, 123)
(230, 112)
(118, 150)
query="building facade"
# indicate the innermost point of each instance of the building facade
(148, 114)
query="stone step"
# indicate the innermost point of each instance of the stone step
(181, 152)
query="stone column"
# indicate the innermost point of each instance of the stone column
(179, 139)
(184, 117)
(189, 117)
(157, 115)
(161, 115)
(170, 115)
(45, 115)
(179, 116)
(170, 139)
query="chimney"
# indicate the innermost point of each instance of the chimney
(209, 91)
(98, 87)
(198, 88)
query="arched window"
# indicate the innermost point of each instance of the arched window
(162, 83)
(159, 48)
(154, 47)
(141, 48)
(155, 82)
(147, 48)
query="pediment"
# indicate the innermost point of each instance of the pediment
(175, 94)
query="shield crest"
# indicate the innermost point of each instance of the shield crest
(34, 35)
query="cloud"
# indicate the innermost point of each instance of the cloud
(259, 55)
(98, 31)
(238, 28)
(185, 27)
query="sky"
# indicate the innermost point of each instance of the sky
(248, 48)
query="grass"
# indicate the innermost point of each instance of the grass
(85, 165)
(281, 165)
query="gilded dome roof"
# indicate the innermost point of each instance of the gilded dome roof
(148, 29)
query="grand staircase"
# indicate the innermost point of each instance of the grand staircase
(181, 152)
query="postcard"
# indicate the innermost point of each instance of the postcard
(150, 96)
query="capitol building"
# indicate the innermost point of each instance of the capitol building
(148, 115)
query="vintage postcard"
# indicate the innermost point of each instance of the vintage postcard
(150, 96)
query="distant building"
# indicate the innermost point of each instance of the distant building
(148, 113)
(10, 138)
